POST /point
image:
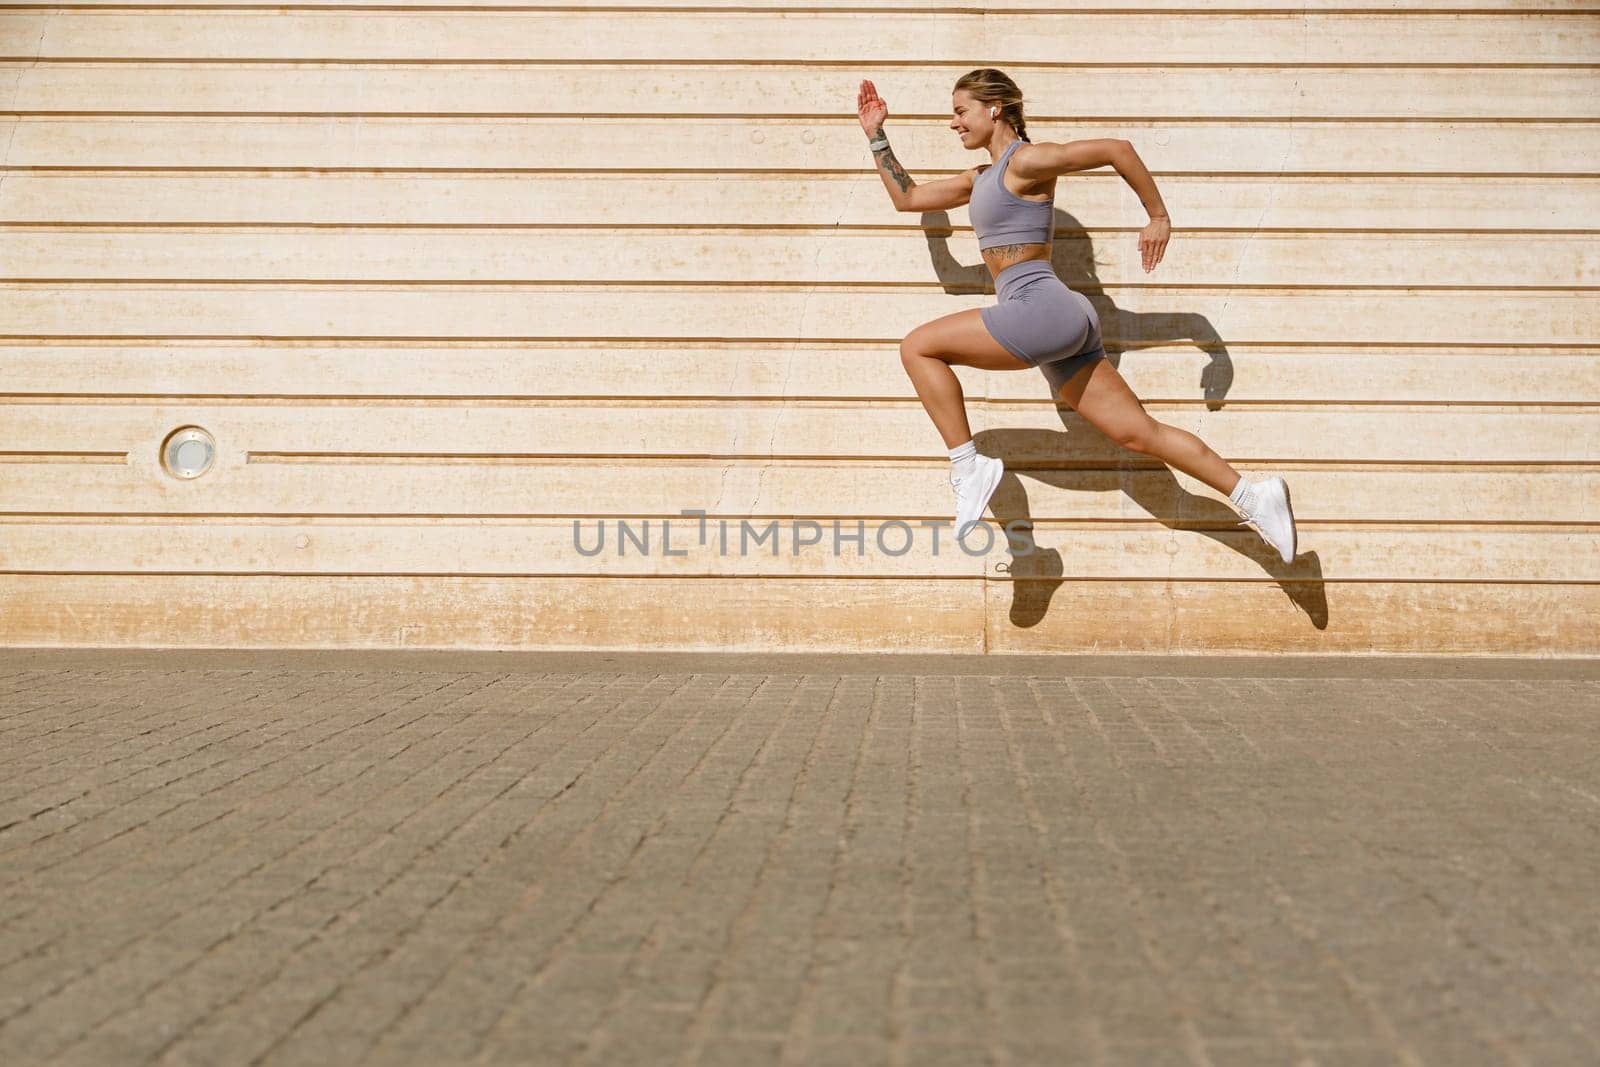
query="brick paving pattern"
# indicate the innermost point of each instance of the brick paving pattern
(746, 860)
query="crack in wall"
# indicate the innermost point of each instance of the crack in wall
(16, 97)
(1272, 190)
(800, 333)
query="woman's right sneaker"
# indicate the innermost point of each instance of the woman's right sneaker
(1271, 517)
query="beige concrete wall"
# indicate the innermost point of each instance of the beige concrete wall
(440, 283)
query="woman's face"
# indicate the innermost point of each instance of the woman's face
(970, 119)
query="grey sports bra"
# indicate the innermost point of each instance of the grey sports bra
(1000, 217)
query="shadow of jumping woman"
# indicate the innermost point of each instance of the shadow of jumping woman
(1036, 571)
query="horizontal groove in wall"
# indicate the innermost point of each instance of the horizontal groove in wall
(656, 172)
(113, 226)
(971, 12)
(968, 11)
(840, 176)
(956, 67)
(409, 519)
(847, 129)
(251, 344)
(669, 117)
(438, 339)
(116, 458)
(874, 10)
(723, 284)
(636, 460)
(734, 64)
(745, 401)
(999, 577)
(712, 229)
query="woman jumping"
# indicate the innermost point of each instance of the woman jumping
(1038, 321)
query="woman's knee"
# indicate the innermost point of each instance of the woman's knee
(1137, 435)
(912, 347)
(915, 350)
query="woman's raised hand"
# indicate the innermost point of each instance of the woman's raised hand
(871, 108)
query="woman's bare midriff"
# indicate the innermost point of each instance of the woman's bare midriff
(999, 257)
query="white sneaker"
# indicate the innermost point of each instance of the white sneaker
(1273, 519)
(973, 491)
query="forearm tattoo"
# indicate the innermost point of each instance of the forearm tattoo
(886, 161)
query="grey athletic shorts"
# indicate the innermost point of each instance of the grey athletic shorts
(1042, 322)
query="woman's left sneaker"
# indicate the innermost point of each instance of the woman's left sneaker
(1272, 517)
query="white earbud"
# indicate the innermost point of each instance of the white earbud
(992, 110)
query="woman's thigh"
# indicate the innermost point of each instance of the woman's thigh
(1102, 396)
(963, 339)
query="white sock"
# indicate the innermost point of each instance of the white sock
(1244, 496)
(963, 459)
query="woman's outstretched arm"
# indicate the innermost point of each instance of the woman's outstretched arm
(1037, 162)
(1153, 238)
(1137, 175)
(1048, 159)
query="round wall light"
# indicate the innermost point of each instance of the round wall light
(188, 452)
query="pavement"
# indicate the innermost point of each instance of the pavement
(414, 857)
